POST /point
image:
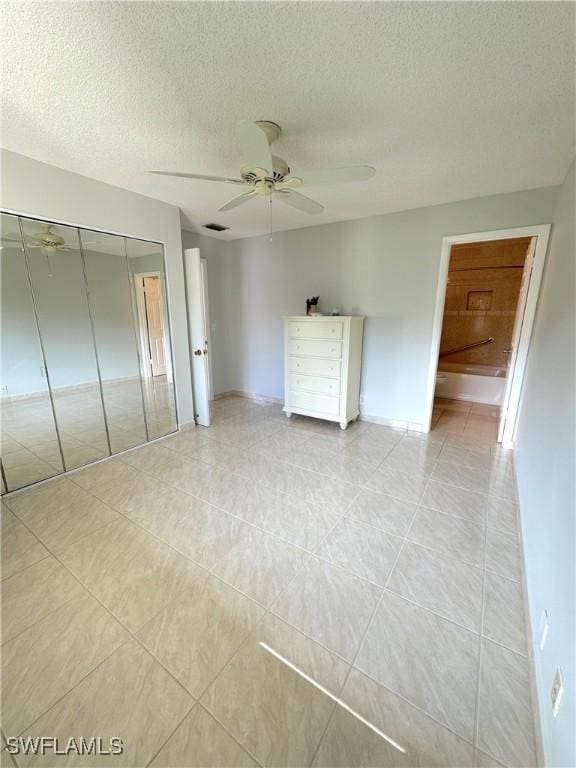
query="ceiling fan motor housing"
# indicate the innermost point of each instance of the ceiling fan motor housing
(280, 171)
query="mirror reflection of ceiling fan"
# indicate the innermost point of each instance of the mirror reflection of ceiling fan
(264, 174)
(48, 241)
(45, 239)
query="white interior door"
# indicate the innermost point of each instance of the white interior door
(153, 309)
(514, 382)
(198, 334)
(206, 314)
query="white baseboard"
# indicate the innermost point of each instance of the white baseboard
(249, 396)
(222, 395)
(395, 423)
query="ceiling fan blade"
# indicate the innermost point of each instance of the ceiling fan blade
(255, 147)
(198, 176)
(336, 175)
(296, 200)
(290, 183)
(238, 200)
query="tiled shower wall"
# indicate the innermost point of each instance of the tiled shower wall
(482, 293)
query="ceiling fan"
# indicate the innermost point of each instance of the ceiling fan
(264, 174)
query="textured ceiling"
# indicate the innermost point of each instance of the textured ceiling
(447, 100)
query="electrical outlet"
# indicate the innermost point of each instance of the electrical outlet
(557, 692)
(543, 629)
(4, 389)
(361, 400)
(43, 371)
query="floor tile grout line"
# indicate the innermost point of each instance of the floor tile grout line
(427, 714)
(267, 609)
(171, 734)
(434, 719)
(5, 749)
(347, 676)
(76, 684)
(133, 636)
(260, 763)
(42, 618)
(360, 644)
(246, 640)
(430, 610)
(26, 567)
(480, 643)
(196, 498)
(212, 714)
(406, 540)
(208, 570)
(215, 506)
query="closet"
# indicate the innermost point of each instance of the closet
(76, 380)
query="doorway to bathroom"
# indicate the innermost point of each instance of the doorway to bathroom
(486, 301)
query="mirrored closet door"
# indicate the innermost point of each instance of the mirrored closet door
(86, 353)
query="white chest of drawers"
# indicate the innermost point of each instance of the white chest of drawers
(322, 362)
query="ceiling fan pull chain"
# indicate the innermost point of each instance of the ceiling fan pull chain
(270, 197)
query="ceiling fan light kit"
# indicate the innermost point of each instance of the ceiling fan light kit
(266, 175)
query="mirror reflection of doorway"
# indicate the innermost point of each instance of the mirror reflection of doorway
(154, 330)
(151, 321)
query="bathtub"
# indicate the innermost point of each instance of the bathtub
(467, 381)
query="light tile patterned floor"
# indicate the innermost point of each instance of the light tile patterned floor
(276, 593)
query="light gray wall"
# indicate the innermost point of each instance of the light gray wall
(545, 465)
(40, 190)
(385, 267)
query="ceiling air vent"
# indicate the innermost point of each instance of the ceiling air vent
(216, 227)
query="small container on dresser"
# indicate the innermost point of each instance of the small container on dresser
(322, 363)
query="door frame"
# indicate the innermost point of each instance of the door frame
(143, 341)
(525, 314)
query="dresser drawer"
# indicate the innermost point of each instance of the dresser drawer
(315, 347)
(315, 330)
(314, 384)
(310, 401)
(319, 366)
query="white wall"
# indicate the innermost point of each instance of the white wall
(385, 267)
(37, 189)
(545, 465)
